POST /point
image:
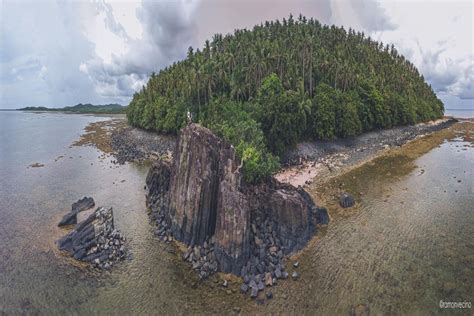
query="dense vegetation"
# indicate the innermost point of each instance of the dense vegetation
(282, 82)
(82, 108)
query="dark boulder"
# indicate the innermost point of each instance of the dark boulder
(322, 216)
(346, 200)
(77, 207)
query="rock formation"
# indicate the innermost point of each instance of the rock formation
(95, 240)
(202, 200)
(81, 205)
(346, 200)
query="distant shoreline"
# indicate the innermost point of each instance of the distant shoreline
(80, 109)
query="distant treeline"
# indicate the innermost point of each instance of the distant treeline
(282, 82)
(82, 108)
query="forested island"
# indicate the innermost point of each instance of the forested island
(285, 81)
(80, 108)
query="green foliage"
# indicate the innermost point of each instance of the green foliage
(347, 118)
(281, 114)
(233, 121)
(288, 80)
(324, 117)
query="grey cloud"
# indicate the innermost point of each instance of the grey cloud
(168, 30)
(369, 15)
(44, 46)
(445, 75)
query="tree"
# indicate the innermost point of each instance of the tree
(324, 118)
(291, 78)
(281, 114)
(347, 122)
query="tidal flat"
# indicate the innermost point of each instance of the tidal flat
(406, 245)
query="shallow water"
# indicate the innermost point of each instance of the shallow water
(398, 254)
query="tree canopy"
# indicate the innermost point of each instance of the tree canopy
(283, 81)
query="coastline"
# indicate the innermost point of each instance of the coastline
(314, 161)
(321, 262)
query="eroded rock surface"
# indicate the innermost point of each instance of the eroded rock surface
(202, 200)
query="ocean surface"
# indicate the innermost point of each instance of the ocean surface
(407, 246)
(460, 113)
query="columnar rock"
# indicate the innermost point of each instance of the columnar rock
(81, 205)
(194, 185)
(232, 215)
(203, 195)
(95, 240)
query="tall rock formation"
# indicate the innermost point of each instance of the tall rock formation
(202, 195)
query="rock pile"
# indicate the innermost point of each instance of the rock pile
(81, 205)
(202, 258)
(132, 144)
(95, 240)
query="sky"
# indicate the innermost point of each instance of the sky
(58, 53)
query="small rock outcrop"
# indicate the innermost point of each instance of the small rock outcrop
(95, 240)
(202, 200)
(81, 205)
(346, 200)
(322, 216)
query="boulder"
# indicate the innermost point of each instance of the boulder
(79, 206)
(322, 216)
(346, 200)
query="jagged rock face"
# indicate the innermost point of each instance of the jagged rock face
(158, 183)
(290, 211)
(232, 216)
(194, 185)
(202, 195)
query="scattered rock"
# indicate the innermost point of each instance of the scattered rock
(296, 264)
(254, 293)
(295, 275)
(269, 295)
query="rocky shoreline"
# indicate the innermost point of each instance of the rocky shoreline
(201, 200)
(131, 144)
(310, 161)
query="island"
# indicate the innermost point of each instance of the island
(80, 108)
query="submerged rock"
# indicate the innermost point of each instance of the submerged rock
(346, 200)
(95, 240)
(81, 205)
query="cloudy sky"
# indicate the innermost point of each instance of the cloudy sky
(56, 53)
